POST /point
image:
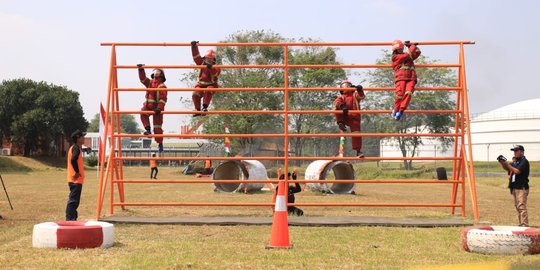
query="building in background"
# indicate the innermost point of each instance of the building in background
(493, 133)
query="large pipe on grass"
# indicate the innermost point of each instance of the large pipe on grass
(239, 170)
(321, 169)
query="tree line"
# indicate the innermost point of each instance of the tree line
(33, 114)
(318, 100)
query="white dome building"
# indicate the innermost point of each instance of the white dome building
(493, 133)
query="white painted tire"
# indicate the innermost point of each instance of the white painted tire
(73, 234)
(501, 240)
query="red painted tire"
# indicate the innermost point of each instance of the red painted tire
(73, 234)
(501, 240)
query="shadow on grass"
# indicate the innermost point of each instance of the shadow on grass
(56, 162)
(10, 166)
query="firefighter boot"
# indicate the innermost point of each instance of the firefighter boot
(399, 115)
(359, 153)
(197, 114)
(147, 131)
(205, 109)
(160, 147)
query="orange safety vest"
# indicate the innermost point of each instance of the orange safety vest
(71, 170)
(153, 164)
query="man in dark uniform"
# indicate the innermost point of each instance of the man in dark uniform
(518, 182)
(292, 210)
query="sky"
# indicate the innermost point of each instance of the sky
(59, 41)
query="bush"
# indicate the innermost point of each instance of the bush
(91, 161)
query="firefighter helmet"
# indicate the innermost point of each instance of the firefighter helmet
(345, 82)
(161, 73)
(397, 45)
(210, 54)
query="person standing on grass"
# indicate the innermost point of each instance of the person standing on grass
(75, 174)
(518, 182)
(153, 168)
(208, 166)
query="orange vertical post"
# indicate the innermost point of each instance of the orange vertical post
(467, 123)
(102, 176)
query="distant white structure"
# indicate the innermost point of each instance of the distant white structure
(493, 133)
(430, 148)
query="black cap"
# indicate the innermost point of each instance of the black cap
(77, 134)
(517, 147)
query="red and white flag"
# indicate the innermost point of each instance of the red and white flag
(103, 141)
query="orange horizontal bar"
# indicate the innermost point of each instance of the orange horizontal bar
(276, 135)
(289, 204)
(282, 66)
(269, 44)
(270, 89)
(380, 204)
(294, 112)
(288, 158)
(202, 181)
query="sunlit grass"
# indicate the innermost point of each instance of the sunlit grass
(40, 196)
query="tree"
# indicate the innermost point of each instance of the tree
(261, 100)
(313, 100)
(127, 123)
(32, 114)
(247, 123)
(422, 100)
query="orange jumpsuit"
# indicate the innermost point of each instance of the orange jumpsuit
(351, 99)
(404, 77)
(154, 100)
(208, 78)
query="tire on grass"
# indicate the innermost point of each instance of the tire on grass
(501, 239)
(73, 234)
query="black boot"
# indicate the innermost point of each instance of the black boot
(205, 109)
(147, 131)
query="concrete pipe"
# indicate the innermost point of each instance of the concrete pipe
(320, 169)
(239, 170)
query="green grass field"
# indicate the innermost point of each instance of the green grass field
(40, 195)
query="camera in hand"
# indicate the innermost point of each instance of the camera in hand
(501, 158)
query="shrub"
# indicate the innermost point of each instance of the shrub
(91, 161)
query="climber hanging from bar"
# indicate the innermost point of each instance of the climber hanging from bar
(208, 77)
(404, 75)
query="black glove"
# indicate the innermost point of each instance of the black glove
(209, 65)
(407, 43)
(359, 88)
(501, 158)
(342, 126)
(157, 111)
(194, 43)
(140, 66)
(345, 111)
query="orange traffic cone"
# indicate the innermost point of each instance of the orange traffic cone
(279, 237)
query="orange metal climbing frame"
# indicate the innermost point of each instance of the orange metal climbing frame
(462, 168)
